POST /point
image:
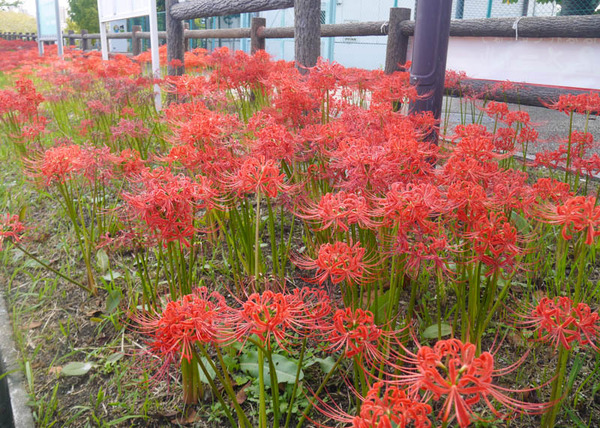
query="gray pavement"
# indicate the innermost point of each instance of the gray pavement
(552, 125)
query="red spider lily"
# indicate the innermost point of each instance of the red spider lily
(454, 79)
(11, 228)
(355, 333)
(23, 104)
(527, 134)
(269, 316)
(339, 262)
(58, 164)
(495, 242)
(167, 203)
(339, 210)
(183, 323)
(589, 166)
(129, 163)
(467, 201)
(316, 307)
(561, 322)
(271, 139)
(431, 250)
(129, 128)
(582, 103)
(504, 139)
(95, 164)
(517, 116)
(509, 190)
(392, 408)
(577, 214)
(393, 88)
(496, 110)
(410, 204)
(258, 175)
(451, 371)
(551, 190)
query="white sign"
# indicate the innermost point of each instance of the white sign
(115, 27)
(114, 10)
(48, 24)
(562, 62)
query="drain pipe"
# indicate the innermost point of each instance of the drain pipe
(430, 49)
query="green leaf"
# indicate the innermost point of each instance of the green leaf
(431, 332)
(102, 260)
(22, 213)
(381, 304)
(209, 369)
(326, 364)
(285, 368)
(111, 276)
(112, 300)
(77, 368)
(113, 358)
(522, 225)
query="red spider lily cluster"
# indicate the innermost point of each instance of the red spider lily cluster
(11, 228)
(258, 166)
(563, 323)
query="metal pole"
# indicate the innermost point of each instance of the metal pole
(59, 38)
(430, 49)
(39, 32)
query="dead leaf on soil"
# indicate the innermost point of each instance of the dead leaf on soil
(241, 395)
(55, 370)
(190, 418)
(93, 313)
(33, 324)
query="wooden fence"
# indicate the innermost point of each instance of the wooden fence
(397, 29)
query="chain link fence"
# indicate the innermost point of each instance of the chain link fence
(471, 9)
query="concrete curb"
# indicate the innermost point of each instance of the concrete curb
(12, 389)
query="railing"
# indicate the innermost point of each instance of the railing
(398, 29)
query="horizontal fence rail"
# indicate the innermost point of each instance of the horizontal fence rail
(527, 27)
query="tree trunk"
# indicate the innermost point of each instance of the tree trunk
(307, 33)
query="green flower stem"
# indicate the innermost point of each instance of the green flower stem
(311, 402)
(558, 392)
(295, 388)
(51, 269)
(228, 385)
(262, 412)
(215, 390)
(257, 237)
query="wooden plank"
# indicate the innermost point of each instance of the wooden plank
(516, 93)
(535, 26)
(205, 8)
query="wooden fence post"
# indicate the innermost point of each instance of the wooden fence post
(397, 43)
(307, 33)
(175, 49)
(136, 41)
(257, 43)
(84, 42)
(186, 40)
(71, 38)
